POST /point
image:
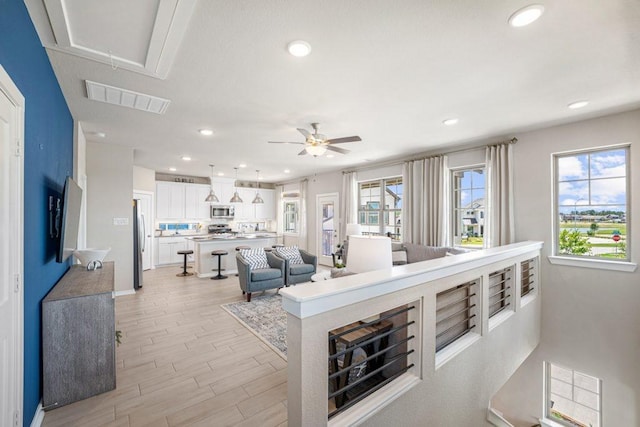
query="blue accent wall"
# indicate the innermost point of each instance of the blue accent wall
(48, 159)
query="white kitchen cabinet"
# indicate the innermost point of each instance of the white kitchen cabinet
(267, 210)
(195, 206)
(170, 200)
(245, 211)
(223, 188)
(168, 248)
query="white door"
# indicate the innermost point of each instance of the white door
(145, 202)
(11, 244)
(327, 227)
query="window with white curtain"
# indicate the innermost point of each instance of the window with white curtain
(380, 207)
(592, 191)
(468, 223)
(290, 215)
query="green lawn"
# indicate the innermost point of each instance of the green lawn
(604, 228)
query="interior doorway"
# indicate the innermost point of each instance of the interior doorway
(11, 250)
(327, 211)
(145, 206)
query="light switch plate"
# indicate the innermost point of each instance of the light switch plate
(120, 221)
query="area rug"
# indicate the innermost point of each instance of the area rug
(265, 318)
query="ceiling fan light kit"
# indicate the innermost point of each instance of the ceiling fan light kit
(317, 144)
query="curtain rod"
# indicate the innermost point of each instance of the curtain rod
(424, 156)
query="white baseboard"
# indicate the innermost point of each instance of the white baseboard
(38, 417)
(127, 292)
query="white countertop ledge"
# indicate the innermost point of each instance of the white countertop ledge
(310, 299)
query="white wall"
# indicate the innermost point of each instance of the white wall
(80, 176)
(144, 179)
(109, 196)
(591, 318)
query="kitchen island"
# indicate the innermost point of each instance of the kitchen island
(206, 265)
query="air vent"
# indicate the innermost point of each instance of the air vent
(126, 98)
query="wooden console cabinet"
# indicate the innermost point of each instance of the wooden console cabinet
(78, 337)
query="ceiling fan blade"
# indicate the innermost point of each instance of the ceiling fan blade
(336, 149)
(345, 139)
(303, 152)
(304, 132)
(284, 142)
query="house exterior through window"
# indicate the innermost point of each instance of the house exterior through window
(290, 216)
(380, 207)
(571, 397)
(468, 189)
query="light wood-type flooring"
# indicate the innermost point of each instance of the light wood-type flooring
(185, 361)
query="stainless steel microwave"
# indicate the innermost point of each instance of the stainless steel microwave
(222, 212)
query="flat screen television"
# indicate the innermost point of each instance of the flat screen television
(70, 221)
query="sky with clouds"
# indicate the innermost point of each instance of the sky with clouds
(592, 181)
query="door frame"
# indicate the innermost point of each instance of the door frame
(153, 218)
(336, 222)
(15, 187)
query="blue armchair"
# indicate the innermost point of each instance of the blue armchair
(254, 280)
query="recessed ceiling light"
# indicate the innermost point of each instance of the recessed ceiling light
(185, 158)
(287, 171)
(578, 104)
(260, 178)
(100, 134)
(173, 169)
(206, 132)
(220, 173)
(449, 122)
(526, 15)
(329, 156)
(242, 165)
(299, 48)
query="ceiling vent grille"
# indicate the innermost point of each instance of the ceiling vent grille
(126, 98)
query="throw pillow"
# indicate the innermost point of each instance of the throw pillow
(399, 257)
(256, 258)
(290, 253)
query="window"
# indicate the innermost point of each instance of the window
(290, 216)
(572, 398)
(592, 189)
(380, 207)
(468, 207)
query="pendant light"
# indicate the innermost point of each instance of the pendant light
(236, 197)
(257, 199)
(211, 198)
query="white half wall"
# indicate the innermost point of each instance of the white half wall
(590, 318)
(109, 201)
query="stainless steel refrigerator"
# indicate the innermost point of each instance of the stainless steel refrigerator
(138, 244)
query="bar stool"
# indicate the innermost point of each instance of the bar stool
(219, 254)
(277, 245)
(184, 264)
(268, 249)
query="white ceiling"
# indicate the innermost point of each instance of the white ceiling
(389, 71)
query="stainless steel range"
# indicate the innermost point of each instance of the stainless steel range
(219, 228)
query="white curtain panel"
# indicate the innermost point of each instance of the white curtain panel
(499, 227)
(279, 213)
(302, 237)
(349, 202)
(426, 200)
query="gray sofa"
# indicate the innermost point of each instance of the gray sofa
(405, 253)
(260, 279)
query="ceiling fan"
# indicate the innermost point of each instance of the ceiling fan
(317, 144)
